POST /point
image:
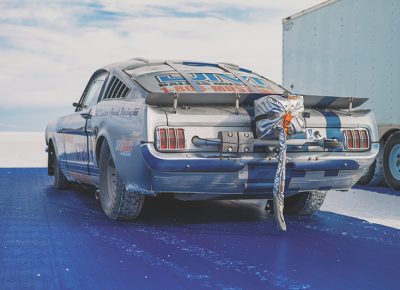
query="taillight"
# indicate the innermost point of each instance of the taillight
(170, 139)
(356, 139)
(181, 139)
(162, 139)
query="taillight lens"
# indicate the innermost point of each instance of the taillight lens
(170, 139)
(162, 139)
(356, 139)
(181, 138)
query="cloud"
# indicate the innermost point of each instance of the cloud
(50, 48)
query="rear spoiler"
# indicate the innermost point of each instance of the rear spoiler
(203, 99)
(336, 103)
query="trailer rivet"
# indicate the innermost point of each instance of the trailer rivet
(246, 134)
(246, 149)
(230, 134)
(230, 149)
(187, 166)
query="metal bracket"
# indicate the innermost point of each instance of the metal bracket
(176, 96)
(350, 104)
(237, 103)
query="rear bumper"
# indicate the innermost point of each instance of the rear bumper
(254, 173)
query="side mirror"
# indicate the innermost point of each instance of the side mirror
(76, 105)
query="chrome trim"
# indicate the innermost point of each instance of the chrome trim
(352, 132)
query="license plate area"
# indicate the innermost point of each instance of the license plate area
(236, 142)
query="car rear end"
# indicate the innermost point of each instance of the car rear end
(187, 156)
(204, 144)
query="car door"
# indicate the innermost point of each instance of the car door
(75, 127)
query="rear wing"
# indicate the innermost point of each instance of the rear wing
(201, 99)
(336, 103)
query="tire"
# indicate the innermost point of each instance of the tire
(117, 203)
(391, 161)
(368, 175)
(60, 181)
(377, 178)
(305, 203)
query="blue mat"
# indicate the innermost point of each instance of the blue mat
(51, 239)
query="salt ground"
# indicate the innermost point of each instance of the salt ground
(375, 205)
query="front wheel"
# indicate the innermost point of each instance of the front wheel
(304, 203)
(391, 161)
(116, 202)
(60, 181)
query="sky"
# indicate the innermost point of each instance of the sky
(50, 48)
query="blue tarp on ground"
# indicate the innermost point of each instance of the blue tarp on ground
(51, 239)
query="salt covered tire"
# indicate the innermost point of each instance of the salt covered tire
(391, 161)
(60, 181)
(116, 202)
(305, 203)
(368, 175)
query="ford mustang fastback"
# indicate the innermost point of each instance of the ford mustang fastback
(194, 131)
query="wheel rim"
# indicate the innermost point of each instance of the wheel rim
(394, 162)
(111, 182)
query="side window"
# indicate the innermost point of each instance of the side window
(116, 89)
(93, 92)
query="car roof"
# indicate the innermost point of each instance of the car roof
(143, 62)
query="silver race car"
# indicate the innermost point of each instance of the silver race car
(195, 130)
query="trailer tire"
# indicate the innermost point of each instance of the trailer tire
(305, 203)
(117, 203)
(391, 161)
(60, 181)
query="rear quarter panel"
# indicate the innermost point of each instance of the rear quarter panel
(123, 124)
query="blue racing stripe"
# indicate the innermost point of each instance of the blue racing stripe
(333, 126)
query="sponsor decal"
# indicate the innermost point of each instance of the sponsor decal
(120, 112)
(124, 146)
(211, 82)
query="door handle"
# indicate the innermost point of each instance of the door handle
(86, 115)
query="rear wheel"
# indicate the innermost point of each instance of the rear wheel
(116, 202)
(305, 203)
(374, 176)
(368, 175)
(391, 161)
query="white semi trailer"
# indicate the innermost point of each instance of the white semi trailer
(351, 48)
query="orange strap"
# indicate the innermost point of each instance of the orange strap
(286, 121)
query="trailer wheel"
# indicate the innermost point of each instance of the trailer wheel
(391, 161)
(116, 202)
(60, 181)
(305, 203)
